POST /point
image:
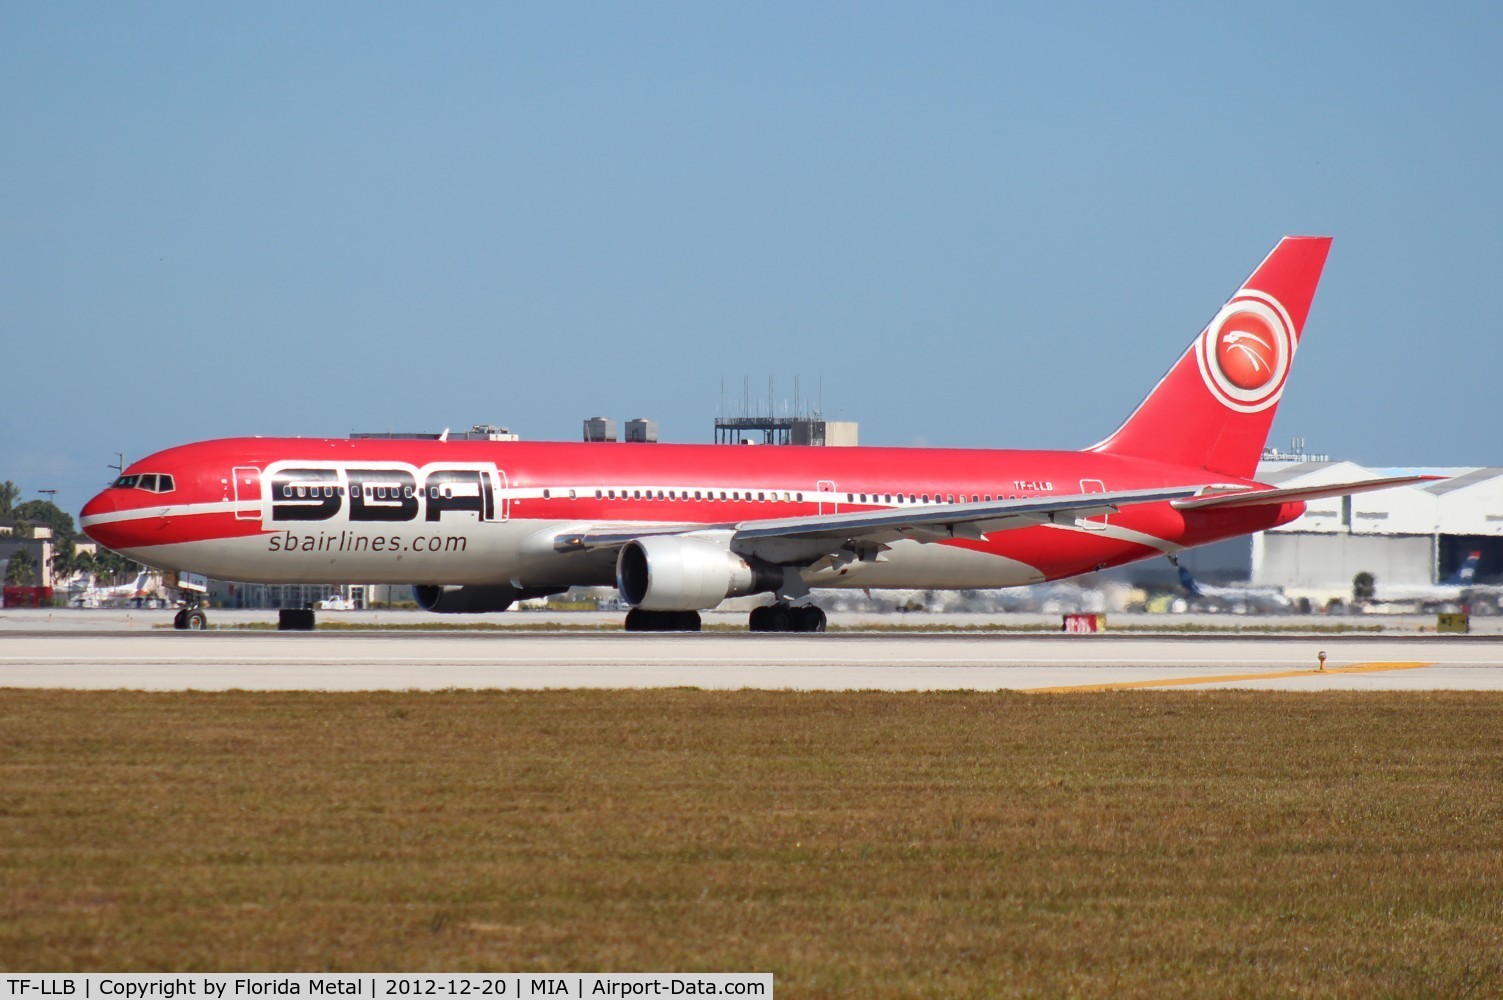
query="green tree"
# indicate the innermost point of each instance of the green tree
(111, 568)
(104, 567)
(1364, 586)
(64, 559)
(83, 563)
(21, 570)
(48, 513)
(9, 492)
(64, 532)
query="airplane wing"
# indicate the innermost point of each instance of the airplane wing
(802, 539)
(960, 520)
(1236, 496)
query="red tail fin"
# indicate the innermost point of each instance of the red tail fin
(1215, 406)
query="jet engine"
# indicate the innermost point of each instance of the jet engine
(474, 599)
(680, 573)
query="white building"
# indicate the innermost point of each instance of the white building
(1409, 535)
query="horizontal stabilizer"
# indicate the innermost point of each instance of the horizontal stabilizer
(1257, 496)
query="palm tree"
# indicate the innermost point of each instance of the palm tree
(111, 567)
(64, 559)
(83, 565)
(20, 571)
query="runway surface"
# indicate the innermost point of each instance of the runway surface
(36, 653)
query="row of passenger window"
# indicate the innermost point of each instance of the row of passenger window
(774, 496)
(923, 498)
(760, 496)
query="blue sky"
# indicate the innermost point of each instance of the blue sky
(973, 224)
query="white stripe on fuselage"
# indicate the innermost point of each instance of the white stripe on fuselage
(170, 510)
(1120, 534)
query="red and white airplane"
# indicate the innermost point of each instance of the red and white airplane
(677, 529)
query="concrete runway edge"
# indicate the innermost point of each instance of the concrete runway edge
(163, 660)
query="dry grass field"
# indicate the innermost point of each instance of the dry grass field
(955, 844)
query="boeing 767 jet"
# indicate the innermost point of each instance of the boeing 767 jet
(474, 526)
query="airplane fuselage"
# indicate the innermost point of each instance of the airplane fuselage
(432, 512)
(476, 525)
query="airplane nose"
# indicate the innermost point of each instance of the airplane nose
(104, 503)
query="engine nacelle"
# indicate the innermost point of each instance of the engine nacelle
(677, 573)
(464, 600)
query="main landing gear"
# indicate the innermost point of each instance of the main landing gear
(787, 618)
(778, 617)
(641, 620)
(295, 620)
(193, 619)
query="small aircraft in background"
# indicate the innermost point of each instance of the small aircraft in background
(1243, 598)
(1454, 589)
(138, 593)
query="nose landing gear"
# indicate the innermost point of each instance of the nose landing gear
(191, 618)
(194, 589)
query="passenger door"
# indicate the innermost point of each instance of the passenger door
(829, 500)
(247, 479)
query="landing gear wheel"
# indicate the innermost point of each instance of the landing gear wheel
(809, 619)
(295, 620)
(786, 618)
(190, 619)
(639, 620)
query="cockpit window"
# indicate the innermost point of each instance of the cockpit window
(152, 482)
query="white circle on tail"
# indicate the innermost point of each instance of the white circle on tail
(1244, 353)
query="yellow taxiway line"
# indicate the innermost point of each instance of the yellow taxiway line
(1355, 668)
